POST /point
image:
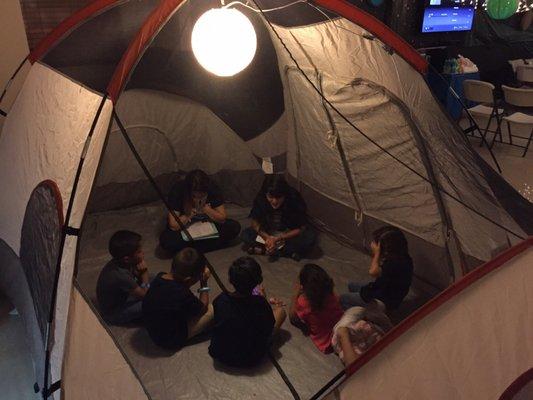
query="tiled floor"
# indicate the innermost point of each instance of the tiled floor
(16, 369)
(516, 170)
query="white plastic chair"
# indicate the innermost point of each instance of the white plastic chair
(523, 98)
(524, 74)
(483, 93)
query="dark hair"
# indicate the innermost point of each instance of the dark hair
(188, 263)
(392, 241)
(276, 186)
(123, 244)
(317, 285)
(196, 181)
(245, 274)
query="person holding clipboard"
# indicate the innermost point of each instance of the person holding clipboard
(199, 205)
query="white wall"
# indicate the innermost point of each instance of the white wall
(13, 49)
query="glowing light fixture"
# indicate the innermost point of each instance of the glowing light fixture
(224, 41)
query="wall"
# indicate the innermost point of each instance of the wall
(13, 49)
(43, 16)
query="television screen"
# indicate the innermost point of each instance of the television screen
(447, 19)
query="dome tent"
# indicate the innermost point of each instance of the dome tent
(133, 58)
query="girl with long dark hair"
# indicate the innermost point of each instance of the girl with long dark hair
(315, 307)
(391, 266)
(197, 198)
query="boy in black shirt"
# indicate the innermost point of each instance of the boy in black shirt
(279, 219)
(123, 281)
(171, 313)
(244, 322)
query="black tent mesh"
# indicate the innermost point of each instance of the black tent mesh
(249, 102)
(39, 249)
(90, 53)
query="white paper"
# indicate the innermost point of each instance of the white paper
(202, 229)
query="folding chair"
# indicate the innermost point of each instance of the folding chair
(483, 93)
(524, 74)
(523, 100)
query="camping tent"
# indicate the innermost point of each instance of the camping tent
(333, 98)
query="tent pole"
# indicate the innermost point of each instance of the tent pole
(161, 194)
(448, 225)
(10, 81)
(340, 148)
(184, 229)
(441, 189)
(67, 230)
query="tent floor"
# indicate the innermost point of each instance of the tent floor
(191, 373)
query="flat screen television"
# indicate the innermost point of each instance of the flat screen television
(447, 16)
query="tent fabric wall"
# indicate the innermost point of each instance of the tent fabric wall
(44, 137)
(47, 130)
(165, 128)
(94, 367)
(473, 342)
(454, 163)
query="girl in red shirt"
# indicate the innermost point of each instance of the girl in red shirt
(315, 307)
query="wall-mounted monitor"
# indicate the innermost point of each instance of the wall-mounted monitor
(447, 16)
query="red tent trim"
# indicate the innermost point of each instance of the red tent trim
(142, 40)
(161, 14)
(67, 25)
(518, 384)
(378, 29)
(52, 185)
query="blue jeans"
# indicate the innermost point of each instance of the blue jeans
(352, 299)
(132, 311)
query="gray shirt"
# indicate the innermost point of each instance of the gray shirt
(113, 287)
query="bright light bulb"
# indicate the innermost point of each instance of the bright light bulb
(224, 41)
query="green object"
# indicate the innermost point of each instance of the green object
(501, 9)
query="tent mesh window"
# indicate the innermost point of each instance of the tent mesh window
(90, 53)
(39, 248)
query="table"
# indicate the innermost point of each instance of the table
(441, 89)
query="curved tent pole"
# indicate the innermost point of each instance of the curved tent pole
(399, 161)
(426, 161)
(69, 24)
(67, 230)
(381, 31)
(440, 300)
(185, 230)
(344, 159)
(167, 7)
(151, 26)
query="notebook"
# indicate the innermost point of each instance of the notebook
(201, 231)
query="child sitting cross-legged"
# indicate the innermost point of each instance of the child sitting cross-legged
(123, 282)
(244, 319)
(171, 312)
(315, 307)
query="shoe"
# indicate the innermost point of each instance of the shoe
(296, 257)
